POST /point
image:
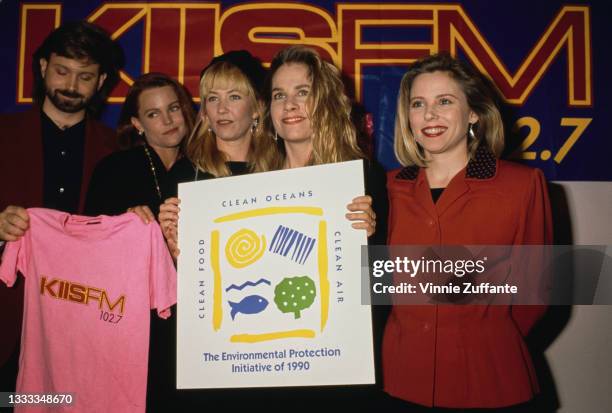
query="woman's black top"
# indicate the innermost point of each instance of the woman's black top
(436, 193)
(375, 179)
(125, 179)
(188, 172)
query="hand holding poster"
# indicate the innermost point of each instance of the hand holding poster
(269, 286)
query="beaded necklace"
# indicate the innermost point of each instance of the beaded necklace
(153, 171)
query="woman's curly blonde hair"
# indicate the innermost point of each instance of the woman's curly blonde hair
(334, 136)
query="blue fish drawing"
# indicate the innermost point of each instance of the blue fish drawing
(252, 304)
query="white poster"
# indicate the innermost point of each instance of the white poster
(269, 281)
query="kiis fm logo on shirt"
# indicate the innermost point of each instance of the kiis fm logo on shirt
(79, 293)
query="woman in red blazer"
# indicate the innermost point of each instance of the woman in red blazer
(453, 190)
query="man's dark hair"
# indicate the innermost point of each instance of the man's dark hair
(81, 40)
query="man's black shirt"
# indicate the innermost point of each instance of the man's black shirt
(63, 152)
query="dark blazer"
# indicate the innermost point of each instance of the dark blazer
(465, 356)
(21, 184)
(21, 169)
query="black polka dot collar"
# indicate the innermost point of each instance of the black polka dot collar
(482, 166)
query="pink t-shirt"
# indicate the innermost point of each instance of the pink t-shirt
(89, 286)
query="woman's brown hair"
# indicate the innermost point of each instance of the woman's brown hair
(127, 134)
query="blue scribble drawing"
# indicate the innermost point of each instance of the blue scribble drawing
(247, 284)
(287, 239)
(252, 304)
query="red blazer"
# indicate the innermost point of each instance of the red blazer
(21, 169)
(465, 356)
(21, 184)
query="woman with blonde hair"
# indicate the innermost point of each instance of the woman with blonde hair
(309, 116)
(454, 190)
(229, 138)
(308, 89)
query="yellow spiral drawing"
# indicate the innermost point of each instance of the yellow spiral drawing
(244, 248)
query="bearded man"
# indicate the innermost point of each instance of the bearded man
(49, 151)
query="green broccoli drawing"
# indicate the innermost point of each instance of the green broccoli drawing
(295, 294)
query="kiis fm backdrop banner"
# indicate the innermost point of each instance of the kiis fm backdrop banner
(548, 59)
